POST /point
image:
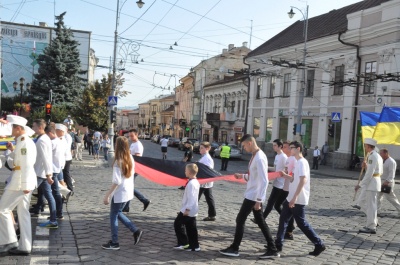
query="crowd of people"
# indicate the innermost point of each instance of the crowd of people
(45, 164)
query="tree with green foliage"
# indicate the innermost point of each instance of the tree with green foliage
(91, 109)
(59, 69)
(58, 114)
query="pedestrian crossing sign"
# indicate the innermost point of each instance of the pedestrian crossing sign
(112, 101)
(335, 116)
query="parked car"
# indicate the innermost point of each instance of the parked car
(196, 147)
(184, 140)
(214, 145)
(235, 151)
(155, 137)
(146, 136)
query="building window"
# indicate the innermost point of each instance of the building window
(244, 108)
(238, 111)
(339, 78)
(256, 127)
(233, 106)
(286, 85)
(310, 83)
(370, 83)
(272, 86)
(259, 87)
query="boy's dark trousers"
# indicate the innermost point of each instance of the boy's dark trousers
(190, 236)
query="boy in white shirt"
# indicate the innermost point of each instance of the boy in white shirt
(299, 194)
(206, 188)
(257, 184)
(279, 165)
(188, 240)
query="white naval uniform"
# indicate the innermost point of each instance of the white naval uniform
(23, 178)
(389, 170)
(371, 184)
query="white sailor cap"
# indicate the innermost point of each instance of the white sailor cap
(21, 121)
(61, 127)
(370, 141)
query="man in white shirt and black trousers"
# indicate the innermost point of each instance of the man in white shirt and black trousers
(255, 194)
(316, 156)
(296, 201)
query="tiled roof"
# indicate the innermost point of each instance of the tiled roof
(170, 108)
(321, 26)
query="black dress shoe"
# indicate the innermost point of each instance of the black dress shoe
(145, 205)
(17, 252)
(317, 250)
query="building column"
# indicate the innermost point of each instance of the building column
(251, 105)
(263, 112)
(347, 115)
(293, 102)
(275, 127)
(324, 99)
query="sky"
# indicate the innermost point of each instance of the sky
(200, 28)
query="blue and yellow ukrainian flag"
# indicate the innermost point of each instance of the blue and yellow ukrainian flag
(368, 122)
(387, 130)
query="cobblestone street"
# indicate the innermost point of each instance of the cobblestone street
(86, 226)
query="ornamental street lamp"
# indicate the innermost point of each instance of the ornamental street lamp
(21, 85)
(303, 85)
(114, 83)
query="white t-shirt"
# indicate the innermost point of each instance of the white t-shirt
(97, 134)
(164, 142)
(207, 160)
(69, 122)
(301, 168)
(124, 191)
(58, 148)
(190, 198)
(279, 163)
(290, 162)
(68, 154)
(136, 148)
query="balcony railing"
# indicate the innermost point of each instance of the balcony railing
(212, 116)
(195, 117)
(229, 117)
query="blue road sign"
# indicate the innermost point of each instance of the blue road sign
(335, 116)
(112, 101)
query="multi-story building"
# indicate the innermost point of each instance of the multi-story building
(167, 115)
(351, 54)
(144, 117)
(225, 109)
(183, 107)
(211, 71)
(21, 44)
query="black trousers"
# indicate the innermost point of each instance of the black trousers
(224, 163)
(209, 199)
(315, 162)
(272, 202)
(244, 212)
(85, 144)
(186, 231)
(280, 201)
(90, 148)
(67, 175)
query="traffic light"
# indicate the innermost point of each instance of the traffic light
(113, 116)
(187, 129)
(294, 128)
(331, 130)
(48, 111)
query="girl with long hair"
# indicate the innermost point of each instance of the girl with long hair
(120, 193)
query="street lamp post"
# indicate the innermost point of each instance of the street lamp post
(302, 89)
(21, 86)
(114, 83)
